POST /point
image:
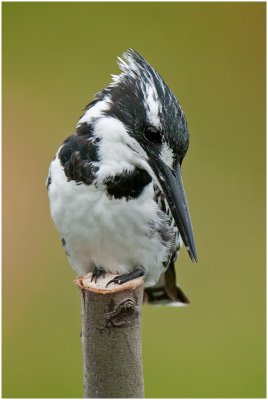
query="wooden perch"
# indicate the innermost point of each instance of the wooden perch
(111, 338)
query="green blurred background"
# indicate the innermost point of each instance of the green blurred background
(56, 56)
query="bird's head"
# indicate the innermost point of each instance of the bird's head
(140, 124)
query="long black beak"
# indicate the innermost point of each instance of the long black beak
(172, 186)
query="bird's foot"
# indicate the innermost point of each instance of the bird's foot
(97, 273)
(120, 279)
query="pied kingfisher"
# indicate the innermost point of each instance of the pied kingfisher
(115, 187)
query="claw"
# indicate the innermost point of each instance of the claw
(111, 281)
(120, 279)
(115, 280)
(97, 273)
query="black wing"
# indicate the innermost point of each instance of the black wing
(79, 155)
(166, 291)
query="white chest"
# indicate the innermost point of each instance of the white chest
(115, 234)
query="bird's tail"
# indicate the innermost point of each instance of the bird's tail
(166, 292)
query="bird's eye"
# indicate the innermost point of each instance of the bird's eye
(152, 134)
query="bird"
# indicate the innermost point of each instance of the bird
(115, 186)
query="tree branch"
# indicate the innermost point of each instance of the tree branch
(111, 338)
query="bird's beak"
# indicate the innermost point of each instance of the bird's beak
(172, 186)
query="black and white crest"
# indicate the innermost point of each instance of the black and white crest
(142, 101)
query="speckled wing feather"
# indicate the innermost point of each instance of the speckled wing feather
(166, 291)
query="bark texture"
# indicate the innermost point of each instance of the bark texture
(111, 338)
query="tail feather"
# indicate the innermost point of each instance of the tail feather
(166, 292)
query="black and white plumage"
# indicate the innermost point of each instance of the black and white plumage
(115, 188)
